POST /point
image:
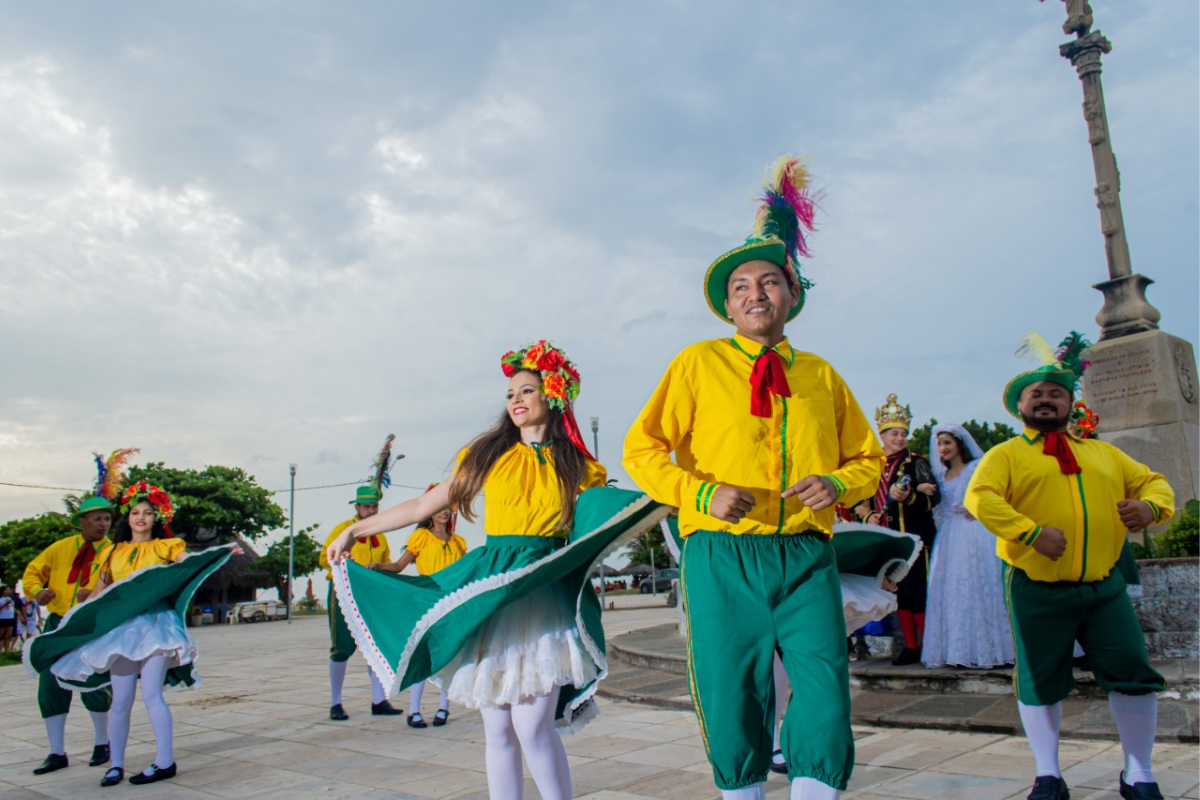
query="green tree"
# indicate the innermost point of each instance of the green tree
(304, 560)
(21, 540)
(225, 502)
(985, 435)
(639, 549)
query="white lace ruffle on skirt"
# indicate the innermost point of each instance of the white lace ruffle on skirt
(526, 650)
(157, 631)
(864, 601)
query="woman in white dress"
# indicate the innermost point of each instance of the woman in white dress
(967, 623)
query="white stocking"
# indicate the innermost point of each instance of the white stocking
(1137, 720)
(337, 677)
(783, 690)
(502, 755)
(56, 732)
(414, 697)
(154, 671)
(100, 726)
(377, 693)
(124, 689)
(756, 792)
(1041, 725)
(533, 720)
(444, 701)
(812, 789)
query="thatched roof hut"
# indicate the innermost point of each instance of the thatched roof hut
(236, 581)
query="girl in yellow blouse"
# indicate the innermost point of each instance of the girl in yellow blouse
(432, 546)
(510, 628)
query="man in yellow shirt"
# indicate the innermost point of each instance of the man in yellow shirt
(61, 576)
(766, 439)
(1060, 506)
(373, 550)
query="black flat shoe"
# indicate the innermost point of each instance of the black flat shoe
(338, 714)
(1049, 787)
(441, 718)
(53, 763)
(907, 656)
(157, 773)
(113, 777)
(385, 709)
(99, 755)
(417, 721)
(1139, 791)
(778, 767)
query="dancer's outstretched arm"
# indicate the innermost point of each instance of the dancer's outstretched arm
(407, 513)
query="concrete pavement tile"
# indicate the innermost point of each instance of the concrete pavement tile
(916, 755)
(865, 776)
(992, 765)
(598, 775)
(658, 733)
(447, 783)
(608, 795)
(10, 792)
(941, 786)
(601, 746)
(667, 755)
(673, 786)
(261, 781)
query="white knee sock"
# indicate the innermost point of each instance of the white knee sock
(1041, 725)
(124, 688)
(444, 701)
(377, 693)
(153, 673)
(533, 720)
(56, 732)
(783, 689)
(755, 792)
(502, 755)
(337, 677)
(100, 726)
(1137, 721)
(812, 789)
(414, 697)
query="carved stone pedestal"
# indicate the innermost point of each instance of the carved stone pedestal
(1144, 388)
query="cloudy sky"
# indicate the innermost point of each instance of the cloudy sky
(265, 233)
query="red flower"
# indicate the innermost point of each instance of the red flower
(159, 498)
(509, 369)
(551, 361)
(572, 373)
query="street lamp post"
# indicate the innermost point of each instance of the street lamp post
(596, 452)
(291, 541)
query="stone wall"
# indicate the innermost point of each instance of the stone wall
(1169, 608)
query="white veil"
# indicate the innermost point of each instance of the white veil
(935, 460)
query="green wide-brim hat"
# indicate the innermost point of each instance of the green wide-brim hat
(366, 495)
(716, 281)
(1054, 374)
(90, 504)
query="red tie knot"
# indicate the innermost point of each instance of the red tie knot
(767, 378)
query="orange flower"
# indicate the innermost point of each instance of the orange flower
(532, 356)
(554, 386)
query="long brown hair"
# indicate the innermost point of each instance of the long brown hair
(485, 449)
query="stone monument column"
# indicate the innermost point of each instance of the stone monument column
(1142, 382)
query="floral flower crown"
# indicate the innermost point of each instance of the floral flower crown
(1082, 420)
(560, 378)
(164, 510)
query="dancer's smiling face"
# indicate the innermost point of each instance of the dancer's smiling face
(948, 448)
(1045, 406)
(527, 405)
(894, 440)
(141, 518)
(759, 299)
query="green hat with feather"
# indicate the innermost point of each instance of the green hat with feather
(1063, 365)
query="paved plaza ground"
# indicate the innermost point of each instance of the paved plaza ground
(259, 727)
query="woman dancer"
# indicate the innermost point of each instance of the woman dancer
(967, 622)
(8, 618)
(152, 643)
(511, 628)
(433, 546)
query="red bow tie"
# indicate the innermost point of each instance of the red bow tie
(767, 378)
(374, 541)
(1059, 446)
(82, 565)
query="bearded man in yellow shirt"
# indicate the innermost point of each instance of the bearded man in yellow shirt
(1059, 506)
(766, 439)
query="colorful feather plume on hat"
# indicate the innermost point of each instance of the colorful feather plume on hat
(380, 477)
(787, 210)
(1069, 355)
(110, 473)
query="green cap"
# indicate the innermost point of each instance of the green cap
(716, 281)
(90, 504)
(366, 495)
(1051, 372)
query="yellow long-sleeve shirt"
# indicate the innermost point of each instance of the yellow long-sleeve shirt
(1017, 490)
(363, 552)
(52, 570)
(701, 413)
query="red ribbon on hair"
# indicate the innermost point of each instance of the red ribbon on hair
(767, 378)
(82, 565)
(1059, 446)
(573, 432)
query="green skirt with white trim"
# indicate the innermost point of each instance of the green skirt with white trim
(509, 621)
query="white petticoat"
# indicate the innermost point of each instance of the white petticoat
(526, 650)
(864, 601)
(157, 631)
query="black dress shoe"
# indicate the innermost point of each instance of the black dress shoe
(113, 777)
(417, 721)
(1049, 787)
(779, 767)
(441, 718)
(384, 709)
(1139, 791)
(337, 713)
(53, 763)
(99, 755)
(907, 656)
(157, 773)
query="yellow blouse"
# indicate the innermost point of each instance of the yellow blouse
(432, 554)
(372, 550)
(125, 558)
(520, 494)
